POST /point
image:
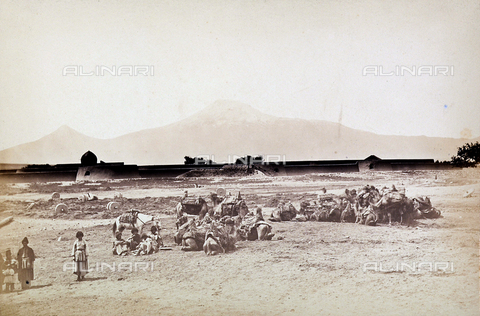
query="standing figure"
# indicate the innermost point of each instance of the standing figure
(25, 258)
(9, 269)
(79, 253)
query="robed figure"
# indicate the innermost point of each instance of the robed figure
(25, 259)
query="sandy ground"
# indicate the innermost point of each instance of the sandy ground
(311, 268)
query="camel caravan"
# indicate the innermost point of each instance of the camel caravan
(217, 228)
(369, 206)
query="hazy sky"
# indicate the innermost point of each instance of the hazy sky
(292, 58)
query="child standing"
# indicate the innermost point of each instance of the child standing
(79, 253)
(9, 269)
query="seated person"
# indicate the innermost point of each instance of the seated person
(134, 240)
(145, 246)
(181, 220)
(119, 245)
(258, 215)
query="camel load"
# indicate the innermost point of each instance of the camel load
(191, 205)
(194, 235)
(232, 205)
(129, 217)
(217, 234)
(424, 209)
(253, 227)
(192, 200)
(369, 206)
(283, 212)
(219, 238)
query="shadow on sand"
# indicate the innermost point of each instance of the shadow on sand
(18, 291)
(93, 279)
(39, 286)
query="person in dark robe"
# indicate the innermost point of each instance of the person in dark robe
(25, 259)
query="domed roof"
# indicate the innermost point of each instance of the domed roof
(88, 159)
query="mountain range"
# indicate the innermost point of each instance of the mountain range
(226, 130)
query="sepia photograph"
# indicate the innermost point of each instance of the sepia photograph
(249, 157)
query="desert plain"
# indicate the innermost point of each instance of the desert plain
(309, 268)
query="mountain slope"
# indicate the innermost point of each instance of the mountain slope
(226, 130)
(63, 145)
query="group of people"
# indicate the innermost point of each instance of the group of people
(137, 244)
(22, 266)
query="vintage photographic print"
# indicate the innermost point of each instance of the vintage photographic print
(252, 157)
